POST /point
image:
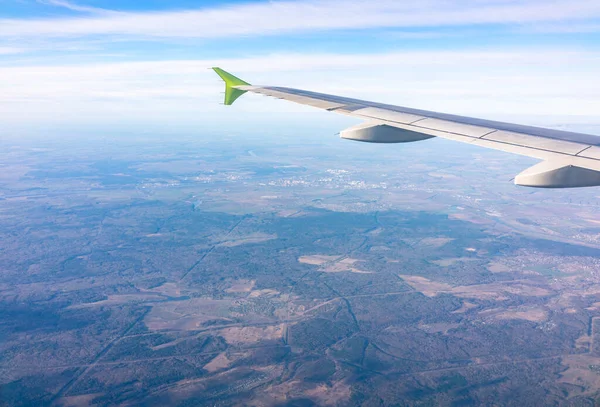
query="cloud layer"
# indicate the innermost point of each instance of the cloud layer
(496, 84)
(270, 18)
(56, 69)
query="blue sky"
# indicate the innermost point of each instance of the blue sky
(86, 62)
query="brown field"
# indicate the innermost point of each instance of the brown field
(241, 286)
(317, 259)
(579, 372)
(250, 334)
(114, 300)
(531, 314)
(494, 291)
(223, 360)
(333, 264)
(253, 238)
(187, 315)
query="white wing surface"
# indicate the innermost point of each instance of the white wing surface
(569, 159)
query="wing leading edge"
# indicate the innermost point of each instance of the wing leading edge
(570, 159)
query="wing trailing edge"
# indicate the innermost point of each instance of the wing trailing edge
(569, 160)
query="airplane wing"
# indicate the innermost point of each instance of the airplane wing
(569, 159)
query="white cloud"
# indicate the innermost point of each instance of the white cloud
(494, 84)
(76, 7)
(562, 28)
(11, 50)
(266, 18)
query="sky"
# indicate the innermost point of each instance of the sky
(136, 65)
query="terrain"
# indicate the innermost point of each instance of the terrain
(230, 270)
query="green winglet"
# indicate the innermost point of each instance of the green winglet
(231, 93)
